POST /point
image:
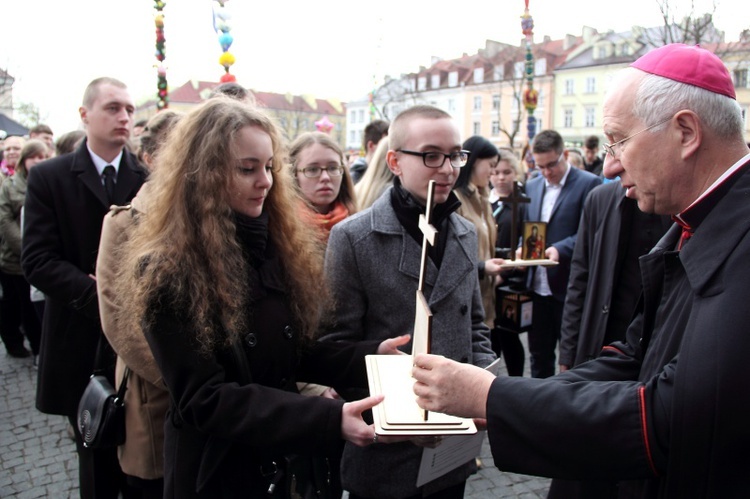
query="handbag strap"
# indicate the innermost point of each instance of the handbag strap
(103, 348)
(123, 385)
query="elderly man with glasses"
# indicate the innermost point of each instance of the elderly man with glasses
(557, 198)
(665, 412)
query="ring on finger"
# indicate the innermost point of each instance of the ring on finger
(375, 439)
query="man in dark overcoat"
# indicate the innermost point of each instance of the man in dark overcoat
(66, 200)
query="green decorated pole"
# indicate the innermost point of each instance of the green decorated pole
(530, 95)
(223, 27)
(162, 101)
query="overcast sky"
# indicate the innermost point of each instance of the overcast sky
(330, 48)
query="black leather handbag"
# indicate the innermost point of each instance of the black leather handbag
(101, 411)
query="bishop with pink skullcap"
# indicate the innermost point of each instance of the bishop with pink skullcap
(688, 64)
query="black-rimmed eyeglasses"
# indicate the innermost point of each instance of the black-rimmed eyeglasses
(434, 159)
(317, 171)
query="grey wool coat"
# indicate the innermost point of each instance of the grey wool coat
(373, 268)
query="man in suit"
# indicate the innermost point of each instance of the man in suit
(66, 200)
(373, 264)
(557, 198)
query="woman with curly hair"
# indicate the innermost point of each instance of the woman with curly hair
(225, 281)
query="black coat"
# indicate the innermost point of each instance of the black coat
(503, 219)
(63, 213)
(592, 276)
(221, 431)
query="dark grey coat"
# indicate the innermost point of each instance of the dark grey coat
(373, 265)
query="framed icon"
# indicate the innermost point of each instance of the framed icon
(534, 241)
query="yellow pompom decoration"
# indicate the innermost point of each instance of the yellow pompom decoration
(226, 59)
(159, 21)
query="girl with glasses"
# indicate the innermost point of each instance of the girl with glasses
(317, 164)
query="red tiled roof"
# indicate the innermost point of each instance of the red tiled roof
(196, 91)
(288, 102)
(191, 91)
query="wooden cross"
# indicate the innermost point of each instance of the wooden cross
(423, 314)
(514, 199)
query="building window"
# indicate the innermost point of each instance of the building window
(451, 105)
(591, 85)
(478, 75)
(601, 52)
(625, 49)
(540, 67)
(498, 72)
(352, 137)
(570, 86)
(495, 128)
(435, 83)
(568, 118)
(477, 103)
(353, 116)
(361, 115)
(477, 128)
(590, 117)
(518, 69)
(496, 102)
(422, 83)
(453, 79)
(740, 78)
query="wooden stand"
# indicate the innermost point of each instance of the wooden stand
(390, 375)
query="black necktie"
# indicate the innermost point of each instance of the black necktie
(109, 175)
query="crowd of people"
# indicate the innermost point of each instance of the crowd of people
(240, 277)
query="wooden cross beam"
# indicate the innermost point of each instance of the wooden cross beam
(423, 315)
(514, 199)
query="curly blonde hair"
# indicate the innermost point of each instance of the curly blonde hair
(184, 245)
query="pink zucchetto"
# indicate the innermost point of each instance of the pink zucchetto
(692, 65)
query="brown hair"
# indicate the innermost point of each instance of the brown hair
(69, 142)
(185, 242)
(156, 131)
(346, 192)
(30, 149)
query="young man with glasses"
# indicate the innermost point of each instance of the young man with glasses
(373, 262)
(557, 197)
